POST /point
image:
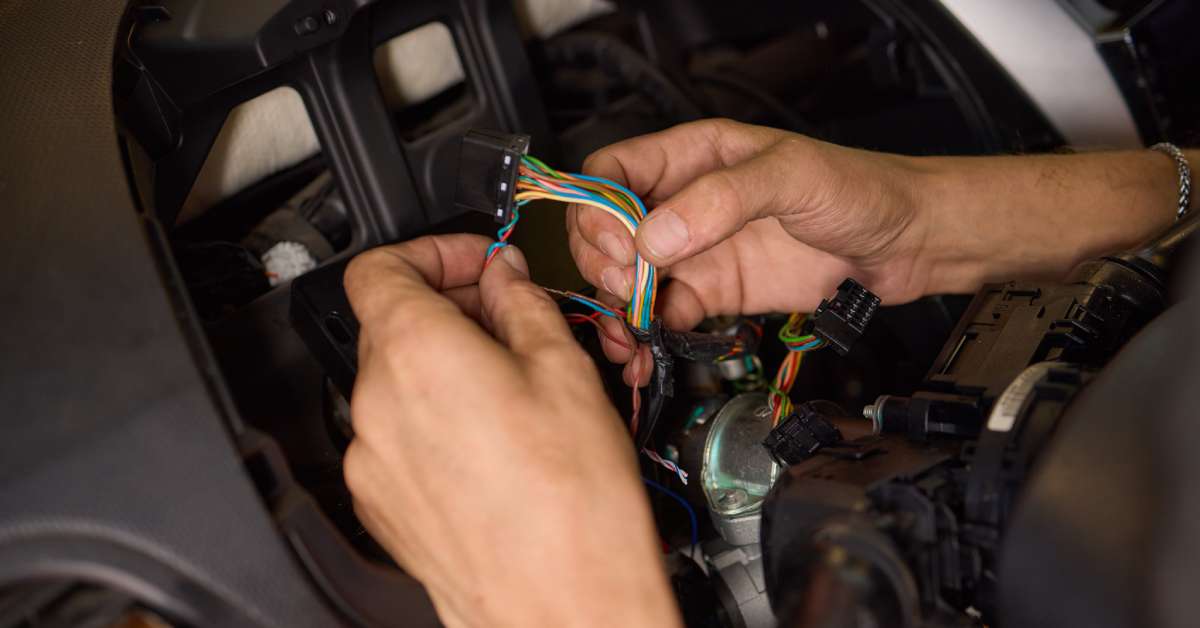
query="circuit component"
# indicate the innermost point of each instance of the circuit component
(488, 164)
(841, 321)
(801, 435)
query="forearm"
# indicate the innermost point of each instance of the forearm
(612, 576)
(998, 218)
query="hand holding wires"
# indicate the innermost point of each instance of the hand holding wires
(536, 180)
(503, 234)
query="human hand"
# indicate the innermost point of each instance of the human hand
(487, 459)
(749, 219)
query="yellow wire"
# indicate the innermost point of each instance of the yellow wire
(529, 195)
(528, 191)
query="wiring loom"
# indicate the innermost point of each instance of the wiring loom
(537, 181)
(798, 343)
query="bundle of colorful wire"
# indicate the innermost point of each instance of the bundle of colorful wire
(504, 233)
(539, 181)
(798, 344)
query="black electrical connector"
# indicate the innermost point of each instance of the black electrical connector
(840, 322)
(488, 163)
(665, 347)
(801, 435)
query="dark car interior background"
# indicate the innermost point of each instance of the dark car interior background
(185, 181)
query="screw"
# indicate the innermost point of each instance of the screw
(731, 497)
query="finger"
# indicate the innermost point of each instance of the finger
(467, 300)
(614, 329)
(602, 231)
(601, 270)
(611, 300)
(639, 369)
(521, 314)
(682, 307)
(378, 281)
(657, 165)
(714, 207)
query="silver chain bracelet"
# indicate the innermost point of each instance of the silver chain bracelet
(1185, 174)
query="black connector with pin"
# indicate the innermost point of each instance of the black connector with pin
(488, 164)
(841, 321)
(804, 432)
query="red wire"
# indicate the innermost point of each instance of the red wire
(636, 402)
(579, 319)
(637, 395)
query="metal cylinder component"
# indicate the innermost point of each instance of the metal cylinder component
(737, 471)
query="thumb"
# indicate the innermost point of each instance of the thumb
(711, 208)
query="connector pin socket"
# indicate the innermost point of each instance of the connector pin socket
(488, 166)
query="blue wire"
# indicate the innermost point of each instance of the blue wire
(584, 195)
(812, 345)
(691, 513)
(646, 313)
(615, 185)
(600, 180)
(603, 311)
(498, 244)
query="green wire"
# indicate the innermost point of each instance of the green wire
(541, 167)
(788, 335)
(772, 388)
(699, 410)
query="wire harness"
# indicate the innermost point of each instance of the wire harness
(798, 343)
(501, 179)
(536, 181)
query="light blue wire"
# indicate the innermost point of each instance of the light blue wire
(620, 187)
(585, 195)
(645, 305)
(512, 223)
(691, 512)
(812, 345)
(603, 311)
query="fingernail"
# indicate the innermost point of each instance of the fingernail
(615, 247)
(514, 258)
(616, 282)
(664, 233)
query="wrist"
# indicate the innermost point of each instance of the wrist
(1003, 218)
(943, 250)
(955, 251)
